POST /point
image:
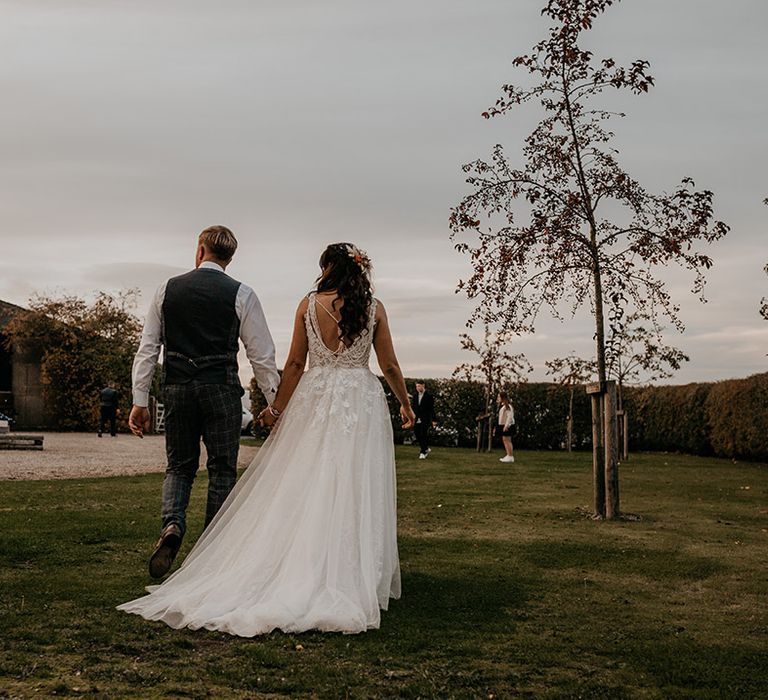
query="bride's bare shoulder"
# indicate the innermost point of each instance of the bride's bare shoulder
(303, 305)
(380, 312)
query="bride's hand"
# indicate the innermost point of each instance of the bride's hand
(266, 419)
(408, 417)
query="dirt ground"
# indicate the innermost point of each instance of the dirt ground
(72, 455)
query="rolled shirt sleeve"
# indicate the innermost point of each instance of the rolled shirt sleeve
(149, 350)
(259, 346)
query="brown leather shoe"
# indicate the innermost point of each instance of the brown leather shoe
(165, 551)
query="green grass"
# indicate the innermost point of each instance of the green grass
(508, 590)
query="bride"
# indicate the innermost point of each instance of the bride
(308, 537)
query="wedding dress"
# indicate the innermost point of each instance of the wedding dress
(307, 539)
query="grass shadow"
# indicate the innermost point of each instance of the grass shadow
(621, 560)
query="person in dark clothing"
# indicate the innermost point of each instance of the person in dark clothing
(423, 405)
(108, 400)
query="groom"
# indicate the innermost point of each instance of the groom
(198, 318)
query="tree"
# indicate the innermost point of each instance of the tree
(764, 300)
(635, 349)
(593, 234)
(83, 345)
(495, 367)
(570, 371)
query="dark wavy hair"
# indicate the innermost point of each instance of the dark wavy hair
(349, 277)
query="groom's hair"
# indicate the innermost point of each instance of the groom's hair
(219, 241)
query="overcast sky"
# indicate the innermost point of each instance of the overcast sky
(129, 126)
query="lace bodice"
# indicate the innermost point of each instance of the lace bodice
(355, 356)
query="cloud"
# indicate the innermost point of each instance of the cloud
(129, 127)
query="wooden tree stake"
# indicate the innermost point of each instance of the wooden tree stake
(611, 438)
(598, 467)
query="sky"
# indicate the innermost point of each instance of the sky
(129, 126)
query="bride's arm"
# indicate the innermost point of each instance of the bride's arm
(385, 354)
(294, 365)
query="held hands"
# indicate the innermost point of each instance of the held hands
(267, 418)
(138, 420)
(408, 416)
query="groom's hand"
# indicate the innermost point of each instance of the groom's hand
(138, 421)
(266, 419)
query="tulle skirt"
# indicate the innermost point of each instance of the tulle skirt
(308, 537)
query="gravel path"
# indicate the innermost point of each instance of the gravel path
(73, 455)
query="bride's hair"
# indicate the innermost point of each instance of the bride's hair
(346, 271)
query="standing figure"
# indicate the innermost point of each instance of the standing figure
(424, 407)
(308, 538)
(506, 425)
(108, 407)
(198, 318)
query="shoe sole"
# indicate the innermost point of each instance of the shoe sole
(162, 558)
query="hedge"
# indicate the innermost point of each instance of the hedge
(724, 419)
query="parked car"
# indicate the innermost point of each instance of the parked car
(246, 427)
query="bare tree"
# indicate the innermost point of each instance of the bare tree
(495, 367)
(636, 351)
(593, 234)
(570, 371)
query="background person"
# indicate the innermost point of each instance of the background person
(506, 425)
(424, 407)
(108, 401)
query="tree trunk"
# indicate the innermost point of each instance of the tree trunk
(605, 459)
(599, 317)
(598, 470)
(570, 420)
(611, 437)
(488, 400)
(625, 420)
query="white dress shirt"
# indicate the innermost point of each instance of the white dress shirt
(259, 347)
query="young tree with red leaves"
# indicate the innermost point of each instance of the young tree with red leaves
(495, 367)
(592, 234)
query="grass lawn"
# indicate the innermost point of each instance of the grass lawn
(508, 590)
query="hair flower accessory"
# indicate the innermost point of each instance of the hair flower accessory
(359, 256)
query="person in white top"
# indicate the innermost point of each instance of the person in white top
(198, 318)
(506, 425)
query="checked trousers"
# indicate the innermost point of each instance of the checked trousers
(193, 411)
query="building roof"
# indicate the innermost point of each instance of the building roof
(7, 312)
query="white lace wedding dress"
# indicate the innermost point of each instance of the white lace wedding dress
(307, 539)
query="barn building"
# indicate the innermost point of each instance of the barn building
(21, 389)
